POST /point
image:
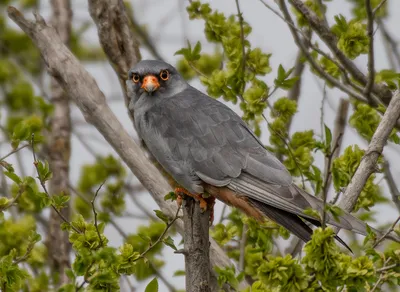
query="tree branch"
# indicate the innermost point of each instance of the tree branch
(116, 37)
(196, 251)
(83, 90)
(311, 60)
(330, 40)
(375, 148)
(371, 56)
(394, 191)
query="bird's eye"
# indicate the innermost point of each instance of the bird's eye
(164, 75)
(135, 78)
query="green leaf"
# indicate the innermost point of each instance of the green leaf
(44, 171)
(152, 286)
(13, 177)
(170, 196)
(196, 51)
(328, 137)
(161, 215)
(60, 201)
(170, 242)
(179, 273)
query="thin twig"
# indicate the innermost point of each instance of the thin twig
(42, 183)
(169, 224)
(386, 233)
(330, 39)
(14, 151)
(328, 174)
(380, 276)
(95, 213)
(390, 40)
(394, 191)
(242, 247)
(378, 7)
(289, 150)
(383, 269)
(243, 63)
(371, 56)
(312, 61)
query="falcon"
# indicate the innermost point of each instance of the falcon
(208, 149)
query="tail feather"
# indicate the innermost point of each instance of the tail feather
(286, 204)
(291, 222)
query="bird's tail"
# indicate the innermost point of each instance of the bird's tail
(285, 205)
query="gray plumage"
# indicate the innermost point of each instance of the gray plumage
(198, 139)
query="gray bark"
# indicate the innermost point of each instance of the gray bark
(197, 254)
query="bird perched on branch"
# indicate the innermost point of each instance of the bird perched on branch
(208, 149)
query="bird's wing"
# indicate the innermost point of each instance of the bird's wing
(194, 132)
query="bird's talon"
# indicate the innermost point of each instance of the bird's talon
(203, 204)
(179, 200)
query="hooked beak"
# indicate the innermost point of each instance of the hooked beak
(150, 83)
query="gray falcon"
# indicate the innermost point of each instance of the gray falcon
(206, 147)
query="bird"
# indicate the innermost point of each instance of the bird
(208, 149)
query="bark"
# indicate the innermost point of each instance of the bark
(58, 151)
(197, 254)
(84, 91)
(330, 39)
(375, 148)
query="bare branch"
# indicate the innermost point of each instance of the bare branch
(339, 128)
(311, 60)
(394, 191)
(386, 234)
(242, 247)
(330, 40)
(83, 90)
(378, 7)
(43, 184)
(389, 39)
(371, 56)
(14, 151)
(243, 63)
(375, 148)
(95, 213)
(116, 37)
(328, 174)
(197, 257)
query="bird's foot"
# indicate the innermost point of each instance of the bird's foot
(205, 203)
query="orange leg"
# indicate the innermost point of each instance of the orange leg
(180, 191)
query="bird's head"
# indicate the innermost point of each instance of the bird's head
(153, 78)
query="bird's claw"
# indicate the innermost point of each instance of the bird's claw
(205, 203)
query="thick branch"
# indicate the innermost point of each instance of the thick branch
(375, 148)
(197, 263)
(116, 37)
(58, 150)
(330, 40)
(84, 91)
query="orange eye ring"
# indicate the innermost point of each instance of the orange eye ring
(135, 78)
(164, 75)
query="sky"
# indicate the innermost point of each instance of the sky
(169, 28)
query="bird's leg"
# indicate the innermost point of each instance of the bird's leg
(180, 191)
(205, 202)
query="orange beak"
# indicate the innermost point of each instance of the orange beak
(150, 83)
